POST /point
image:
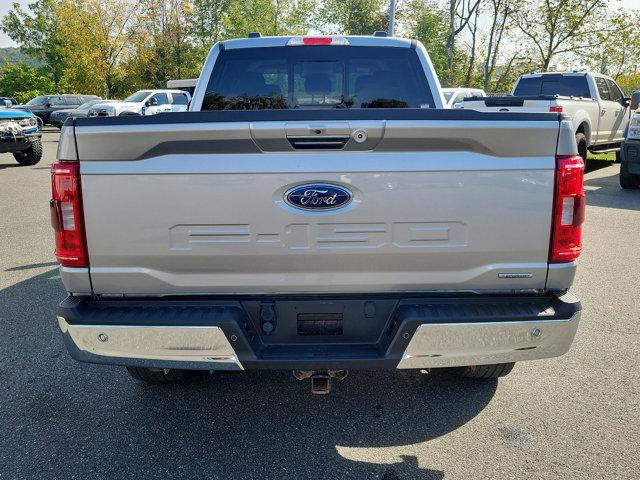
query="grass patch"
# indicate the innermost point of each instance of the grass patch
(608, 157)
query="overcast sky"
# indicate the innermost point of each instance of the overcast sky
(5, 6)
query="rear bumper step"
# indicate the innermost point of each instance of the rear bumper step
(205, 334)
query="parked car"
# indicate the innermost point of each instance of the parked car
(11, 100)
(187, 84)
(144, 102)
(630, 151)
(318, 210)
(58, 117)
(598, 108)
(454, 96)
(44, 105)
(20, 135)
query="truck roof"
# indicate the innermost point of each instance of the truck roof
(575, 73)
(354, 40)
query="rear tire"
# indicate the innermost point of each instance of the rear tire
(628, 180)
(482, 371)
(156, 375)
(31, 155)
(581, 142)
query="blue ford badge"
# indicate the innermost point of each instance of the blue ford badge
(318, 196)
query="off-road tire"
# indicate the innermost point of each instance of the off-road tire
(581, 143)
(628, 180)
(31, 155)
(155, 375)
(483, 371)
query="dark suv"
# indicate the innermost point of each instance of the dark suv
(43, 105)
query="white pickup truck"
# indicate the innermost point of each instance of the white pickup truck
(597, 107)
(144, 102)
(318, 210)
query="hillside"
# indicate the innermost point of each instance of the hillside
(14, 55)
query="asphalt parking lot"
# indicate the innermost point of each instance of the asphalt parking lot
(573, 417)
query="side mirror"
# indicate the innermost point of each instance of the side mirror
(152, 102)
(8, 104)
(635, 100)
(47, 105)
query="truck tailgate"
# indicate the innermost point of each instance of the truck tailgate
(198, 208)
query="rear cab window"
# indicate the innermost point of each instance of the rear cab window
(317, 77)
(563, 85)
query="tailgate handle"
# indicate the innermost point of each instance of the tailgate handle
(318, 142)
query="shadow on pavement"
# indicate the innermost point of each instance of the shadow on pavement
(8, 165)
(606, 192)
(31, 266)
(593, 165)
(92, 421)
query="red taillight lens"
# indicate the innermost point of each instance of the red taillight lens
(555, 109)
(568, 210)
(66, 215)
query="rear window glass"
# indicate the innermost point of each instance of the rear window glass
(563, 85)
(317, 77)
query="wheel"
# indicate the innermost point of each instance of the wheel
(581, 142)
(156, 375)
(31, 155)
(483, 371)
(628, 179)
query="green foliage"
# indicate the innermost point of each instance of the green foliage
(629, 83)
(36, 31)
(429, 24)
(24, 82)
(114, 47)
(352, 17)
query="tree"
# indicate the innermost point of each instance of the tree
(37, 33)
(207, 22)
(501, 16)
(459, 15)
(352, 17)
(617, 45)
(162, 50)
(104, 28)
(24, 82)
(427, 22)
(269, 17)
(555, 27)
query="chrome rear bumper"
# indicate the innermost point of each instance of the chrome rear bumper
(205, 334)
(173, 347)
(460, 344)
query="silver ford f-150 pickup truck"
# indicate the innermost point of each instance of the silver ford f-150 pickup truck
(318, 210)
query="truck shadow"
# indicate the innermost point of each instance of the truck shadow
(606, 192)
(257, 425)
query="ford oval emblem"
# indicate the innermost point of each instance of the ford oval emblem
(318, 196)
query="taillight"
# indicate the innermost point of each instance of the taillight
(568, 209)
(555, 109)
(66, 215)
